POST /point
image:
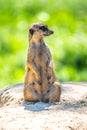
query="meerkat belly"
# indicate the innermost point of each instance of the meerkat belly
(46, 72)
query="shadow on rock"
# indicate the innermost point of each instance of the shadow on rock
(36, 107)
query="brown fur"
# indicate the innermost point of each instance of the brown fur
(40, 82)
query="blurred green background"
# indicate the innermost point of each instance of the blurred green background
(68, 19)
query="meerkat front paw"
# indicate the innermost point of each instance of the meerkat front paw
(34, 70)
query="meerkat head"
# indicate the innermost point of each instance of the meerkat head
(39, 30)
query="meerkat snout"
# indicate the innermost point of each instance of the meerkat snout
(48, 32)
(45, 30)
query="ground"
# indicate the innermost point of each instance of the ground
(69, 114)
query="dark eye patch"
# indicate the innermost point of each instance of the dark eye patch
(43, 28)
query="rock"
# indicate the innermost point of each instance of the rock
(69, 114)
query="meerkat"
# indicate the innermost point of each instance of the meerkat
(40, 83)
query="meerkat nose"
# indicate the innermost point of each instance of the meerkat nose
(51, 32)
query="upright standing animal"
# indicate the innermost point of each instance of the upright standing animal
(40, 82)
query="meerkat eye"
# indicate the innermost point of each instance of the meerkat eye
(43, 28)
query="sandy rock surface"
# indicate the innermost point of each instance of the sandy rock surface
(69, 114)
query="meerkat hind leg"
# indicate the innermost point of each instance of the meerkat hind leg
(31, 95)
(53, 93)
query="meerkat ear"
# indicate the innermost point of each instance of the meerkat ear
(31, 31)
